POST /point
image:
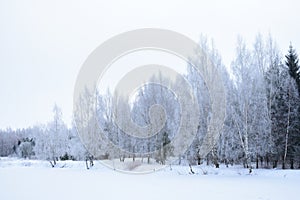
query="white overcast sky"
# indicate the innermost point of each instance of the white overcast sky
(44, 43)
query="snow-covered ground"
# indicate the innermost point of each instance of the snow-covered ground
(31, 179)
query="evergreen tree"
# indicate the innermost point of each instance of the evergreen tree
(286, 119)
(292, 62)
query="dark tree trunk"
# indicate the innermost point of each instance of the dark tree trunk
(52, 165)
(226, 162)
(89, 159)
(86, 164)
(292, 163)
(275, 163)
(250, 170)
(198, 160)
(91, 162)
(122, 158)
(191, 169)
(283, 163)
(216, 163)
(267, 161)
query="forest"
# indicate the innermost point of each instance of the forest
(261, 128)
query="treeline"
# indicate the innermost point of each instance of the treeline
(261, 129)
(53, 141)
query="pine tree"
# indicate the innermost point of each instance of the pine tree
(292, 62)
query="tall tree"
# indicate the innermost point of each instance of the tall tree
(250, 113)
(57, 135)
(285, 118)
(292, 62)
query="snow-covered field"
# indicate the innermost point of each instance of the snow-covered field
(36, 180)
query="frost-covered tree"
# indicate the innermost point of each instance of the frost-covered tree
(76, 150)
(8, 142)
(244, 83)
(25, 147)
(251, 113)
(51, 142)
(157, 145)
(86, 120)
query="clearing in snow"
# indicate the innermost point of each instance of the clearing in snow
(35, 180)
